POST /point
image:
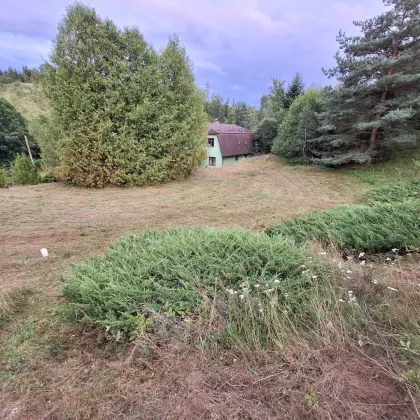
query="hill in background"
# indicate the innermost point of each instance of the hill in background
(27, 98)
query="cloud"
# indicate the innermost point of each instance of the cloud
(231, 42)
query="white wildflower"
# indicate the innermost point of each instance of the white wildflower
(395, 250)
(375, 281)
(350, 292)
(314, 277)
(269, 290)
(322, 253)
(266, 284)
(236, 292)
(261, 310)
(276, 281)
(362, 262)
(391, 288)
(231, 291)
(341, 300)
(286, 295)
(350, 257)
(362, 254)
(387, 259)
(348, 278)
(256, 285)
(349, 271)
(303, 266)
(241, 296)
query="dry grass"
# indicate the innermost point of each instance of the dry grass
(49, 370)
(26, 98)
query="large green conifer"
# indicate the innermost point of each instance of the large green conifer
(379, 93)
(127, 115)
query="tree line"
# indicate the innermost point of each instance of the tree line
(11, 75)
(374, 110)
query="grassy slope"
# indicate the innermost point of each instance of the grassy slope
(57, 371)
(26, 98)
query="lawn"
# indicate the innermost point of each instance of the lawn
(53, 370)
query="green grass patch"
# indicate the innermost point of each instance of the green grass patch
(173, 272)
(372, 228)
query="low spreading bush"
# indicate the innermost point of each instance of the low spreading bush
(173, 272)
(394, 192)
(24, 171)
(373, 228)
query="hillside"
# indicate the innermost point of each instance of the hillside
(26, 98)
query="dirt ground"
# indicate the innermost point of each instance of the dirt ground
(53, 371)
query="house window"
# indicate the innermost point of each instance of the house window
(212, 161)
(246, 141)
(236, 157)
(238, 141)
(211, 142)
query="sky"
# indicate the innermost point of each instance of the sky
(237, 46)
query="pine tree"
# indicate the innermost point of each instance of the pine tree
(295, 89)
(379, 94)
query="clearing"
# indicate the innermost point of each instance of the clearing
(51, 370)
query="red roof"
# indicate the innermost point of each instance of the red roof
(233, 139)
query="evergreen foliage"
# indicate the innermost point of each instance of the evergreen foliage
(265, 133)
(24, 172)
(172, 272)
(295, 89)
(12, 131)
(299, 126)
(126, 114)
(372, 228)
(26, 75)
(377, 102)
(46, 133)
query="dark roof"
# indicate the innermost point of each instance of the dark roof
(219, 128)
(233, 140)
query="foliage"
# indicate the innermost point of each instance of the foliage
(376, 105)
(299, 126)
(394, 192)
(265, 133)
(26, 75)
(373, 228)
(172, 272)
(12, 130)
(126, 114)
(46, 133)
(24, 172)
(243, 115)
(217, 108)
(295, 89)
(3, 178)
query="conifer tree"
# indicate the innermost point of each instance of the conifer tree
(120, 106)
(295, 89)
(376, 103)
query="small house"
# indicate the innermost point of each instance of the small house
(227, 143)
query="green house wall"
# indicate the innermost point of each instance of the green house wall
(216, 152)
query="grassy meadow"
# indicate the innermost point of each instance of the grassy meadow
(221, 321)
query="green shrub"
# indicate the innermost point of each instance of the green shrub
(24, 171)
(47, 178)
(372, 228)
(394, 192)
(172, 272)
(3, 178)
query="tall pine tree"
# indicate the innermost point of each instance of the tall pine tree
(295, 89)
(376, 103)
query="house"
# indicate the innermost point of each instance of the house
(227, 143)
